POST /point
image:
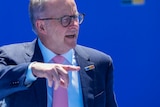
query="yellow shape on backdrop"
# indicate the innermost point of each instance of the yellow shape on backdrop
(138, 2)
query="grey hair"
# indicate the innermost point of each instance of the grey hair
(36, 10)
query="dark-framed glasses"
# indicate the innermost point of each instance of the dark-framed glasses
(67, 19)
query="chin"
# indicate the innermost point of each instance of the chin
(73, 45)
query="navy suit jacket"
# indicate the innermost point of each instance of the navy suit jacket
(97, 84)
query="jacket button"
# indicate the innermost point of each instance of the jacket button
(15, 83)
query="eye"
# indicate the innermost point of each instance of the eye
(66, 19)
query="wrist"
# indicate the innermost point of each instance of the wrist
(30, 77)
(32, 66)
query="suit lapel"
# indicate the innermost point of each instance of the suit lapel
(33, 53)
(86, 77)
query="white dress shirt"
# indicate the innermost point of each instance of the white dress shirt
(75, 98)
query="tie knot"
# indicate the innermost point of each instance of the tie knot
(58, 59)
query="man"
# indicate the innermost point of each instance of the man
(30, 76)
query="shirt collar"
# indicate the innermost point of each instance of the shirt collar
(48, 54)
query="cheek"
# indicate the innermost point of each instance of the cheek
(59, 30)
(58, 36)
(57, 33)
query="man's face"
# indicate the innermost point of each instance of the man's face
(58, 38)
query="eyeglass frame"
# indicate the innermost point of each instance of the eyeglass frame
(69, 16)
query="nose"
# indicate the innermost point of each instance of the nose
(74, 21)
(74, 25)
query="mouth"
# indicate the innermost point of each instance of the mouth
(71, 36)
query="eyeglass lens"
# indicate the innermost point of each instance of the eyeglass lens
(66, 20)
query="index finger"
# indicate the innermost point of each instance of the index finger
(71, 67)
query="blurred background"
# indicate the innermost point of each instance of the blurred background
(128, 30)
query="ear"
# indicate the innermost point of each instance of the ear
(40, 25)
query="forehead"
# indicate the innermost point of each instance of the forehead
(61, 7)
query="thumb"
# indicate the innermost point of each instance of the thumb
(50, 83)
(55, 83)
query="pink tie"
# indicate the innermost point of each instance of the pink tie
(60, 96)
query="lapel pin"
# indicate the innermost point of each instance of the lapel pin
(90, 67)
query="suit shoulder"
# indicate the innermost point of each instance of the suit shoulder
(16, 49)
(15, 46)
(94, 53)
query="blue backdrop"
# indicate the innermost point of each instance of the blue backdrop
(129, 33)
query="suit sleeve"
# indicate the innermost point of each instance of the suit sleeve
(110, 97)
(12, 75)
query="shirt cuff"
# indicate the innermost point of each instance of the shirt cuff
(29, 76)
